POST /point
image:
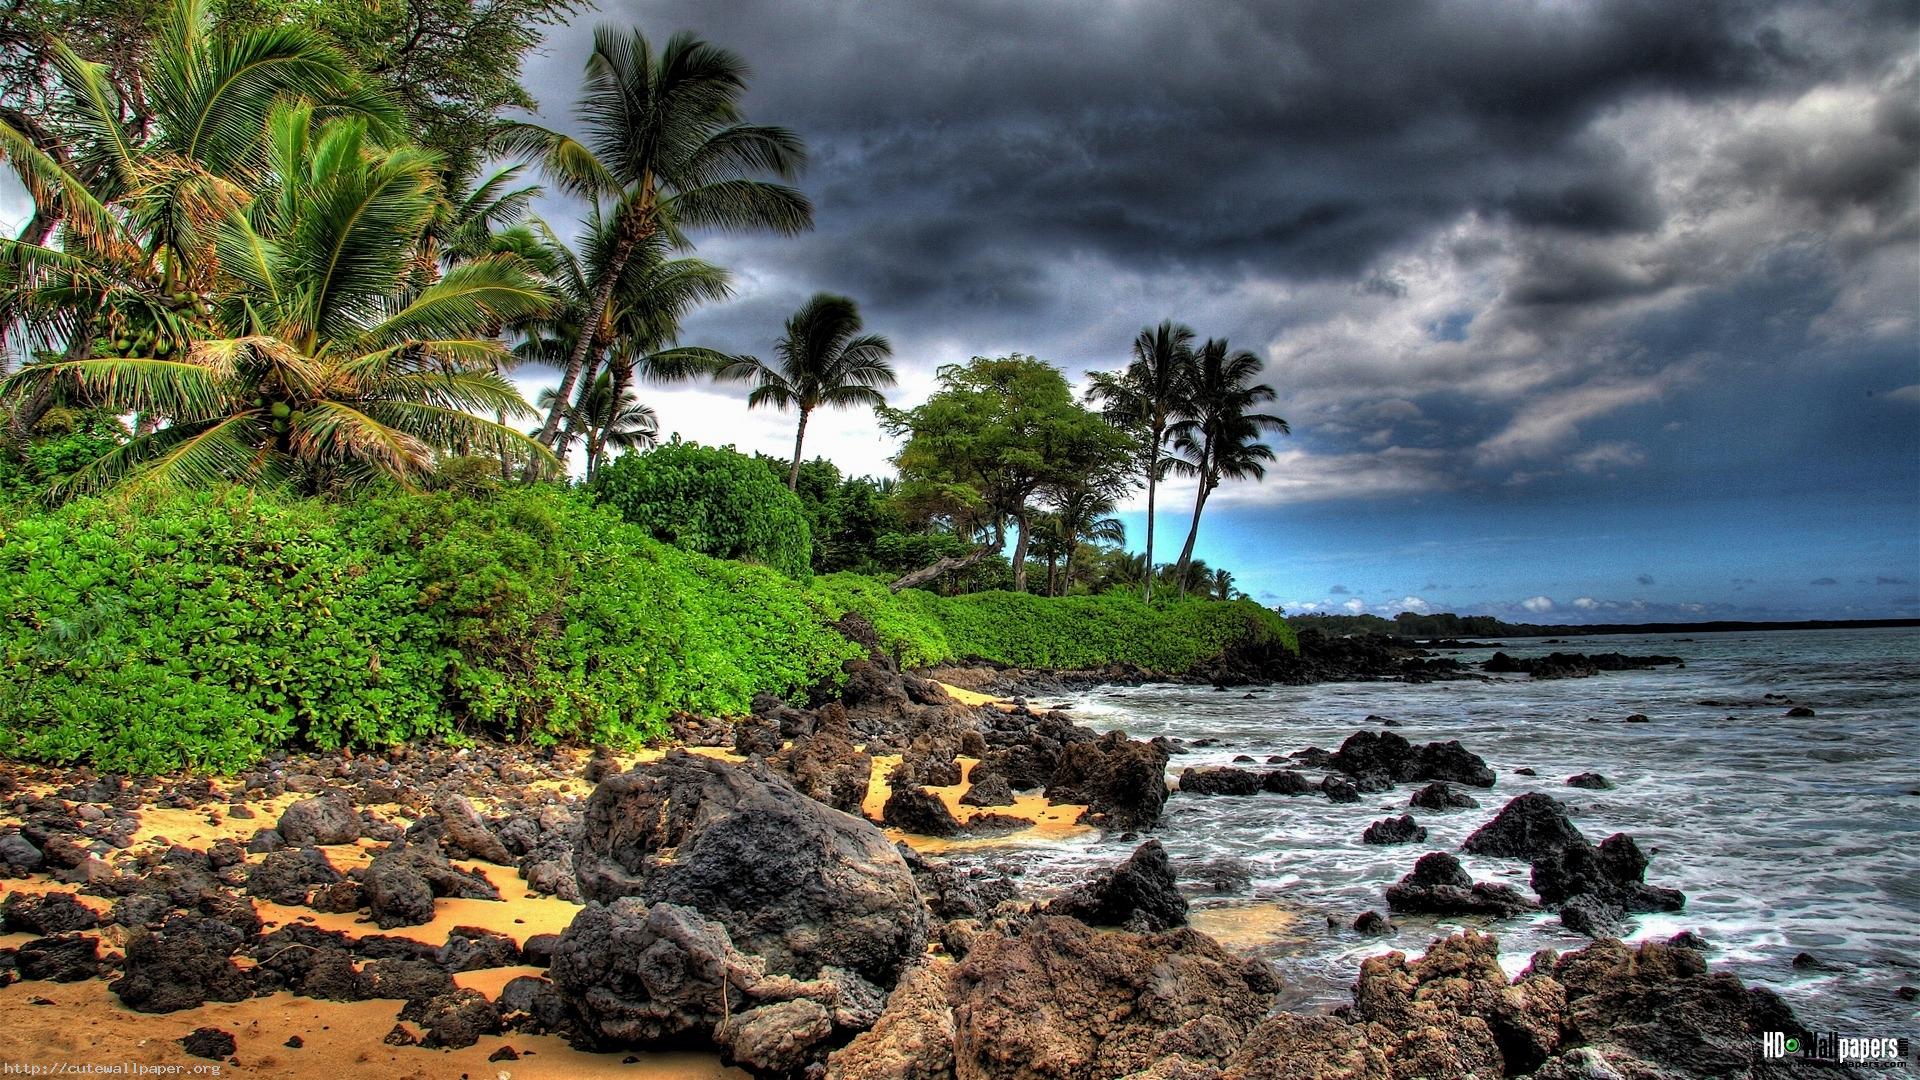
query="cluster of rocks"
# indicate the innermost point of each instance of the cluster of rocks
(1594, 887)
(1561, 665)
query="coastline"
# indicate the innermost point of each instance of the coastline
(546, 779)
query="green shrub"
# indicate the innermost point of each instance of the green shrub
(201, 629)
(709, 500)
(1062, 632)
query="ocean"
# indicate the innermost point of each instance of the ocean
(1789, 836)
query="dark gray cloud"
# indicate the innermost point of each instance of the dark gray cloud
(1338, 590)
(1510, 225)
(1645, 579)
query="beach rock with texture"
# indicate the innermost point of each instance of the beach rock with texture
(290, 875)
(916, 810)
(1613, 874)
(793, 881)
(987, 788)
(914, 1035)
(1140, 894)
(1453, 1012)
(1438, 885)
(824, 764)
(1218, 780)
(1438, 796)
(324, 819)
(1657, 1011)
(1384, 757)
(70, 957)
(50, 913)
(1530, 827)
(401, 883)
(1054, 998)
(1122, 782)
(1394, 830)
(183, 965)
(465, 835)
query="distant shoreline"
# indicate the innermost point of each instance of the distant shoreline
(1717, 627)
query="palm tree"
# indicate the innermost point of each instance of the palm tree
(1084, 513)
(667, 147)
(825, 362)
(637, 331)
(311, 361)
(1147, 398)
(1221, 438)
(139, 202)
(614, 417)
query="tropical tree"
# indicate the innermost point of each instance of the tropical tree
(1221, 586)
(614, 417)
(978, 451)
(1083, 514)
(666, 147)
(310, 361)
(824, 362)
(1146, 399)
(637, 333)
(138, 186)
(1221, 438)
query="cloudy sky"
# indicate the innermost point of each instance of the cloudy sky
(1580, 311)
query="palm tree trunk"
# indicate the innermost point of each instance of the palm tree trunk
(1186, 553)
(1020, 553)
(506, 465)
(799, 437)
(1153, 476)
(1066, 572)
(633, 230)
(1053, 561)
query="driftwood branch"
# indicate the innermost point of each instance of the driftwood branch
(946, 564)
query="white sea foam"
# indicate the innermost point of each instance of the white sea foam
(1788, 835)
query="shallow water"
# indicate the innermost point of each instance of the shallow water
(1788, 835)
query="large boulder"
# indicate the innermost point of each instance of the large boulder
(792, 880)
(1054, 999)
(1440, 796)
(1529, 827)
(914, 809)
(1309, 1048)
(1439, 885)
(633, 974)
(1122, 782)
(1139, 894)
(401, 883)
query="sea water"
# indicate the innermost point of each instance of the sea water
(1789, 835)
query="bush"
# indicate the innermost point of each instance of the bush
(202, 629)
(1061, 632)
(712, 501)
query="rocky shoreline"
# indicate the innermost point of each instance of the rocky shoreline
(773, 894)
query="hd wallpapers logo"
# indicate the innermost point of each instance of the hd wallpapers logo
(1835, 1047)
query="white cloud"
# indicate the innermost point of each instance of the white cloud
(1909, 395)
(1537, 604)
(1406, 603)
(1608, 455)
(1586, 603)
(1355, 605)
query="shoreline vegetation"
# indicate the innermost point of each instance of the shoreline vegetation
(342, 732)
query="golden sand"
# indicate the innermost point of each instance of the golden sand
(84, 1023)
(1050, 821)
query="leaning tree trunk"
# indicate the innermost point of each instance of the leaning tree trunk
(799, 437)
(942, 566)
(1153, 476)
(1020, 553)
(1207, 485)
(634, 230)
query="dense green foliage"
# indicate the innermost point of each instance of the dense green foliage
(205, 627)
(710, 500)
(1060, 632)
(201, 628)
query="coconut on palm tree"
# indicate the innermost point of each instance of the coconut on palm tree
(311, 360)
(666, 147)
(140, 203)
(1147, 398)
(1220, 439)
(825, 362)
